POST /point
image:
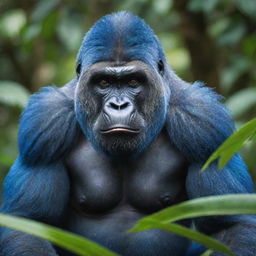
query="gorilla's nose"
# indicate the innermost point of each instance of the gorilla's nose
(118, 107)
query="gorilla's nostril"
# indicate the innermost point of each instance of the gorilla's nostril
(125, 105)
(119, 106)
(114, 106)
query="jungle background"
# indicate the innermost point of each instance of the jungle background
(212, 41)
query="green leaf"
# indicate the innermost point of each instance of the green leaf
(204, 6)
(13, 94)
(69, 31)
(205, 206)
(43, 9)
(162, 7)
(232, 144)
(12, 22)
(239, 66)
(188, 233)
(207, 253)
(232, 35)
(64, 239)
(248, 7)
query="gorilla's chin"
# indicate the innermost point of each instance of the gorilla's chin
(120, 144)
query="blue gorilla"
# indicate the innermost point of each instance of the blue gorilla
(125, 138)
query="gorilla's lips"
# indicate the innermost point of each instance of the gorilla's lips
(126, 130)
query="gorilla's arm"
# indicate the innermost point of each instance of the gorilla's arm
(37, 185)
(37, 192)
(198, 123)
(238, 232)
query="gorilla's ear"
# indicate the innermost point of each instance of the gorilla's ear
(160, 66)
(78, 70)
(196, 120)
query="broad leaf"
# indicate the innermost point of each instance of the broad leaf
(205, 206)
(207, 253)
(198, 237)
(64, 239)
(227, 150)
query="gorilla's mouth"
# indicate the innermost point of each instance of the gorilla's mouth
(126, 130)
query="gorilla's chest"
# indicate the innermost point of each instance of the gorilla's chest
(153, 181)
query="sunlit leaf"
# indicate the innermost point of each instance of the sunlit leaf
(162, 6)
(205, 206)
(232, 144)
(64, 239)
(178, 58)
(12, 22)
(13, 94)
(207, 253)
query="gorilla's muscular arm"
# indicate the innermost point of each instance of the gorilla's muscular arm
(37, 185)
(197, 124)
(237, 232)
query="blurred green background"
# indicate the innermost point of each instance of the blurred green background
(212, 41)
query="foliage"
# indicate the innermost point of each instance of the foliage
(204, 206)
(185, 232)
(164, 219)
(77, 244)
(227, 150)
(13, 94)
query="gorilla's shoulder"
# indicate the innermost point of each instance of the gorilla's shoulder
(197, 121)
(48, 126)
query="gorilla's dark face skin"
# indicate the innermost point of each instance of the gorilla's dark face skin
(123, 106)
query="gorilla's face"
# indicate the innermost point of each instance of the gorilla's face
(120, 107)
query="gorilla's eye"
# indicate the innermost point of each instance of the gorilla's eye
(78, 69)
(133, 83)
(104, 83)
(160, 65)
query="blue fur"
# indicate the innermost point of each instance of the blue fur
(234, 178)
(48, 112)
(197, 122)
(40, 193)
(135, 38)
(196, 250)
(37, 186)
(36, 191)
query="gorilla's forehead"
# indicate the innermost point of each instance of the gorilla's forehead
(120, 37)
(118, 68)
